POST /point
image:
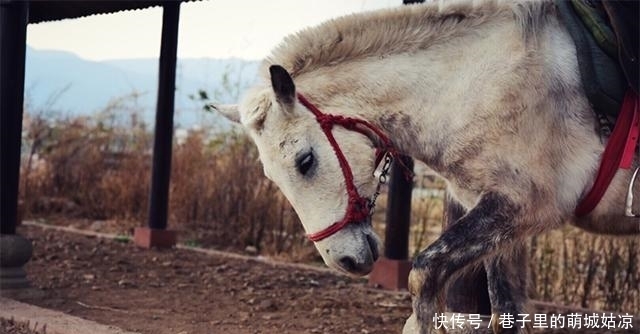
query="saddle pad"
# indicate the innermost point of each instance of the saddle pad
(602, 78)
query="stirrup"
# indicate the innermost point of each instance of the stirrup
(629, 203)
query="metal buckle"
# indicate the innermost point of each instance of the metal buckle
(382, 179)
(629, 203)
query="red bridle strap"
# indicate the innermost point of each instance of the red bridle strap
(358, 207)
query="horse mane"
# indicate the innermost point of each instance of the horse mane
(407, 28)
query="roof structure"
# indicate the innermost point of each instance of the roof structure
(54, 10)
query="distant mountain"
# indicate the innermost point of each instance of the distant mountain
(62, 83)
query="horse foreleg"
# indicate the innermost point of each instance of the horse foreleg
(485, 228)
(507, 280)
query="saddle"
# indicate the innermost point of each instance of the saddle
(606, 36)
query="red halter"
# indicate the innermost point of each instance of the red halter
(358, 207)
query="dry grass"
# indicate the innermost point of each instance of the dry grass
(99, 169)
(573, 267)
(11, 326)
(91, 169)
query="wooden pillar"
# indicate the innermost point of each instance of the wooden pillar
(13, 35)
(392, 270)
(15, 250)
(156, 234)
(396, 241)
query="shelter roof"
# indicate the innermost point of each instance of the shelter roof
(54, 10)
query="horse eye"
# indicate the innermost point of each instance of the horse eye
(304, 163)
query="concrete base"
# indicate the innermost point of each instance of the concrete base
(15, 252)
(146, 237)
(13, 278)
(390, 274)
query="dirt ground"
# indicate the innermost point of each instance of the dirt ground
(180, 291)
(184, 292)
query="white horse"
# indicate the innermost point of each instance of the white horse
(488, 95)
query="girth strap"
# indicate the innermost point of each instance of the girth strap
(618, 153)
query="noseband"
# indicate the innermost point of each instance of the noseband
(358, 208)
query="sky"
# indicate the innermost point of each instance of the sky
(246, 29)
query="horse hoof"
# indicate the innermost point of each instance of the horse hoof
(411, 325)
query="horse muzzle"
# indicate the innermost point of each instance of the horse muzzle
(353, 250)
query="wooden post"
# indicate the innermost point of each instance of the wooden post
(392, 270)
(156, 234)
(396, 240)
(13, 34)
(15, 250)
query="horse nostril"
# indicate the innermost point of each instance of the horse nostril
(348, 263)
(373, 245)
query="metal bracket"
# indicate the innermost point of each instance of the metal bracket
(629, 203)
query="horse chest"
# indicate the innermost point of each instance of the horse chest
(467, 198)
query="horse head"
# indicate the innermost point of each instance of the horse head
(298, 156)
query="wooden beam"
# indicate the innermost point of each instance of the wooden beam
(163, 138)
(14, 16)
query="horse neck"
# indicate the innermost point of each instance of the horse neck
(420, 99)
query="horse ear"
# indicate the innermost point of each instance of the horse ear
(282, 85)
(229, 111)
